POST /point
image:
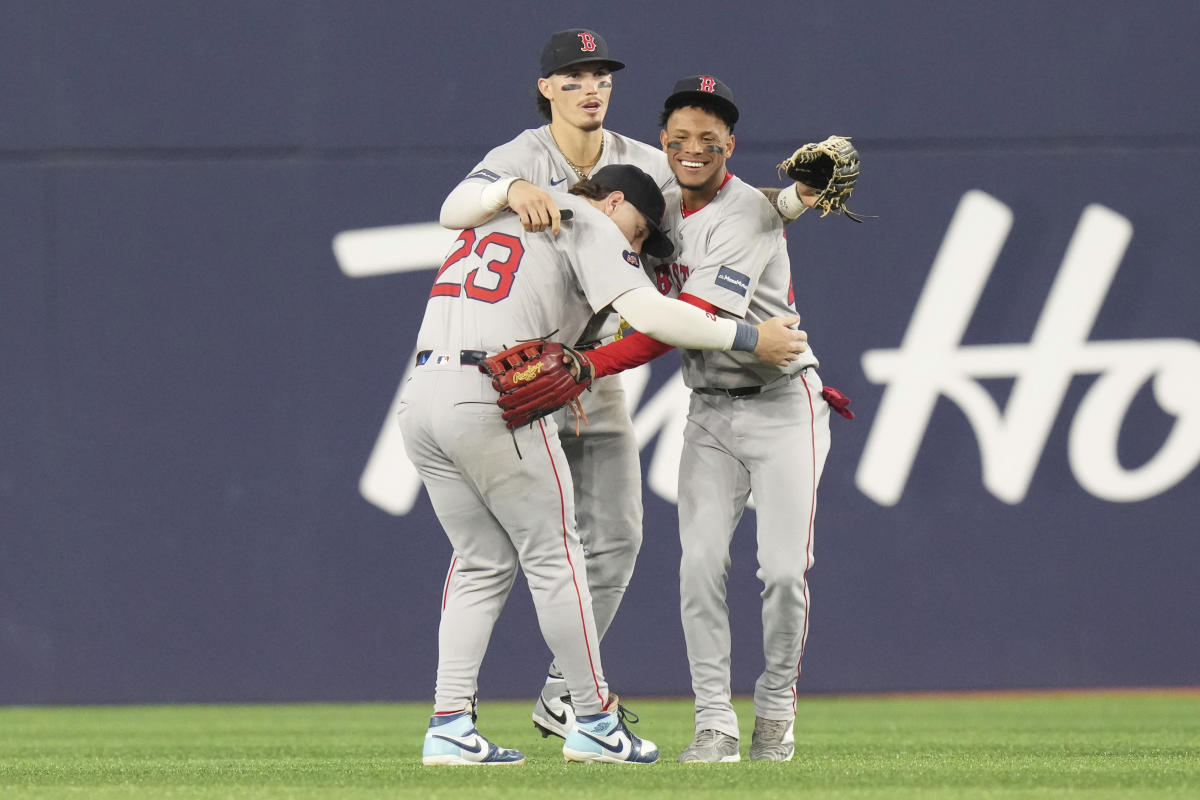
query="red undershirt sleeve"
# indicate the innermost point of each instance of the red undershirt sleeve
(626, 353)
(637, 348)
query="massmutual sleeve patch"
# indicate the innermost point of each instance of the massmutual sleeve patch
(485, 174)
(733, 280)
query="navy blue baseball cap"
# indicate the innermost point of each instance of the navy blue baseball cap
(703, 90)
(640, 190)
(576, 46)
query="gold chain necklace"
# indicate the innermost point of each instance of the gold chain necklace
(578, 169)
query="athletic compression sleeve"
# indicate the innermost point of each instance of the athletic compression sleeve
(473, 203)
(682, 325)
(636, 348)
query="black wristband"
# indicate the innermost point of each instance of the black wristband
(746, 337)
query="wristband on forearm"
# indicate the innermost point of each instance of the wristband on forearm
(495, 195)
(746, 337)
(789, 204)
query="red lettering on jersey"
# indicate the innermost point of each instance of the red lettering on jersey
(503, 270)
(662, 279)
(708, 84)
(462, 249)
(587, 42)
(791, 293)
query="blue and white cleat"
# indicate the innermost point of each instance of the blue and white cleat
(605, 738)
(453, 740)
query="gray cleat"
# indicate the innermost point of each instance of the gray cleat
(711, 746)
(773, 740)
(553, 713)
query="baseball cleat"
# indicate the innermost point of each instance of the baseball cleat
(773, 740)
(553, 712)
(711, 747)
(452, 740)
(605, 738)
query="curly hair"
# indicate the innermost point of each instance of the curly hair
(716, 108)
(589, 189)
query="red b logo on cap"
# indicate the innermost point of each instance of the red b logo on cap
(708, 84)
(587, 42)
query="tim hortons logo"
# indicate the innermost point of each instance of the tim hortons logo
(527, 374)
(931, 362)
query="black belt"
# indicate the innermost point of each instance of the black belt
(741, 391)
(746, 391)
(465, 357)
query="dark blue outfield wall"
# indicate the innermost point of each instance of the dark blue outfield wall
(215, 225)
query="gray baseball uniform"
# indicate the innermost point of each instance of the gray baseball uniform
(603, 456)
(752, 428)
(502, 509)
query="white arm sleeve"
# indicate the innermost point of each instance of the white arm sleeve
(674, 321)
(473, 203)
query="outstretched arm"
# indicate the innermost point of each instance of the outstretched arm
(791, 201)
(473, 203)
(683, 324)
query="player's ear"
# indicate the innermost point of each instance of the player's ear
(662, 138)
(729, 146)
(612, 201)
(544, 87)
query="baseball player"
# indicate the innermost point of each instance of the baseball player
(573, 94)
(752, 427)
(526, 175)
(507, 503)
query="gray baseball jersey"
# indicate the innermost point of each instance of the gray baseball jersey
(534, 156)
(504, 506)
(733, 255)
(604, 456)
(563, 281)
(770, 437)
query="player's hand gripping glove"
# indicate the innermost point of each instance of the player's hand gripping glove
(536, 379)
(831, 167)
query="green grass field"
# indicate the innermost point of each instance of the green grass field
(1065, 745)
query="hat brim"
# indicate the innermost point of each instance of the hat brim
(681, 99)
(612, 65)
(657, 244)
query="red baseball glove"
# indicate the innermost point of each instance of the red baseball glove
(536, 379)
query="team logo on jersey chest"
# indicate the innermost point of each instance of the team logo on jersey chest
(632, 258)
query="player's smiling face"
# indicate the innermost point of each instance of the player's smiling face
(697, 143)
(578, 95)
